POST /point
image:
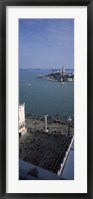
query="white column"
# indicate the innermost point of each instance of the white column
(46, 130)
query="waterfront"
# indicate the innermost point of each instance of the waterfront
(46, 97)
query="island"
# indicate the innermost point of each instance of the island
(58, 76)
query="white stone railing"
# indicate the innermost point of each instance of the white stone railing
(59, 172)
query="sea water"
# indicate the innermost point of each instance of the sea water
(45, 97)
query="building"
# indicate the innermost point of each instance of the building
(62, 72)
(70, 79)
(22, 128)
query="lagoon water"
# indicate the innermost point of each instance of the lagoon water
(45, 97)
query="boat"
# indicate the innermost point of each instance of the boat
(28, 84)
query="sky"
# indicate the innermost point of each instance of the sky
(46, 43)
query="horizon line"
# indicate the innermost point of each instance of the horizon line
(46, 68)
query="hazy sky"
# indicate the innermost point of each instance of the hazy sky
(46, 43)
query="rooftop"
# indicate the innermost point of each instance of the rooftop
(45, 150)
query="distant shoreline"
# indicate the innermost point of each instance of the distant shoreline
(44, 68)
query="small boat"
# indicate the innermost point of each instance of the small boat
(28, 84)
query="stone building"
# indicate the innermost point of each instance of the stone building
(22, 128)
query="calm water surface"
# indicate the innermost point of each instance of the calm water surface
(45, 97)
